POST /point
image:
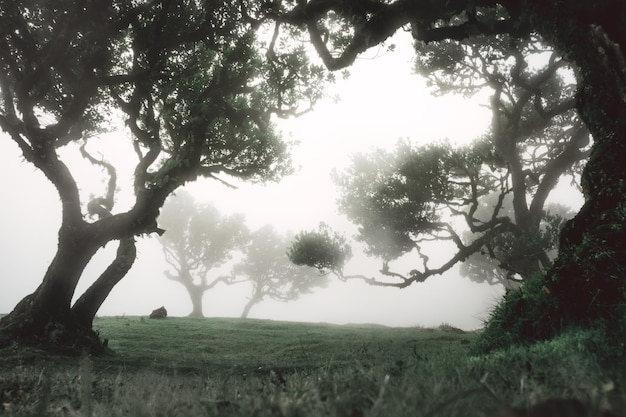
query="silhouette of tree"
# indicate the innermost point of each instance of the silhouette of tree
(197, 242)
(196, 88)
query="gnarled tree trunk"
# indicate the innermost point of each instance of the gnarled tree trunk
(85, 308)
(588, 277)
(44, 318)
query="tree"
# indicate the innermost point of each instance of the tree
(323, 249)
(403, 201)
(327, 251)
(586, 281)
(536, 135)
(196, 93)
(197, 242)
(266, 266)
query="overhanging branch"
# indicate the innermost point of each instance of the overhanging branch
(463, 30)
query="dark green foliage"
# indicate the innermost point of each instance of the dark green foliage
(511, 248)
(525, 315)
(322, 249)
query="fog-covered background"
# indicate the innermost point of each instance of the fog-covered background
(379, 103)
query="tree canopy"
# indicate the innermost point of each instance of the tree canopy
(322, 249)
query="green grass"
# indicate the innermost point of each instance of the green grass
(223, 344)
(233, 367)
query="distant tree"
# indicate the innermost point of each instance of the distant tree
(198, 241)
(266, 266)
(196, 88)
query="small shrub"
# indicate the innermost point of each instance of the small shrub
(525, 315)
(446, 327)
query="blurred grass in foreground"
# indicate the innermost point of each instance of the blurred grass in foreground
(233, 367)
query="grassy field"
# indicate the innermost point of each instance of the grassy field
(233, 367)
